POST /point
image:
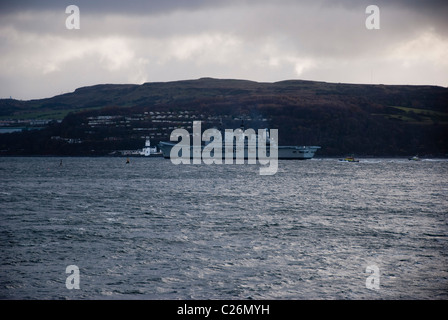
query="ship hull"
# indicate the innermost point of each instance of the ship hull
(284, 152)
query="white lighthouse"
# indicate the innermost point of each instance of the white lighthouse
(147, 150)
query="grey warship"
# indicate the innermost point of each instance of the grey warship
(250, 149)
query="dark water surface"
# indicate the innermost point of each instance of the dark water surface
(153, 230)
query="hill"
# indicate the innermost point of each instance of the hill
(376, 120)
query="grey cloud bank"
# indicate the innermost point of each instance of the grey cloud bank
(142, 41)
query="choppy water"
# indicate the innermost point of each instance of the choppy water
(153, 230)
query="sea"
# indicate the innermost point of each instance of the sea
(98, 228)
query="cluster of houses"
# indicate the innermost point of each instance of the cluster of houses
(18, 125)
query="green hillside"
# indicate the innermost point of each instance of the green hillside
(376, 120)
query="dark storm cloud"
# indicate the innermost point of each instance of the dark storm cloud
(409, 14)
(430, 7)
(141, 7)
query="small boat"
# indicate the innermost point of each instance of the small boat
(349, 159)
(414, 158)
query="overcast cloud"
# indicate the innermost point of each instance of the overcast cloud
(147, 41)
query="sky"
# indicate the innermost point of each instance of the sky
(140, 41)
